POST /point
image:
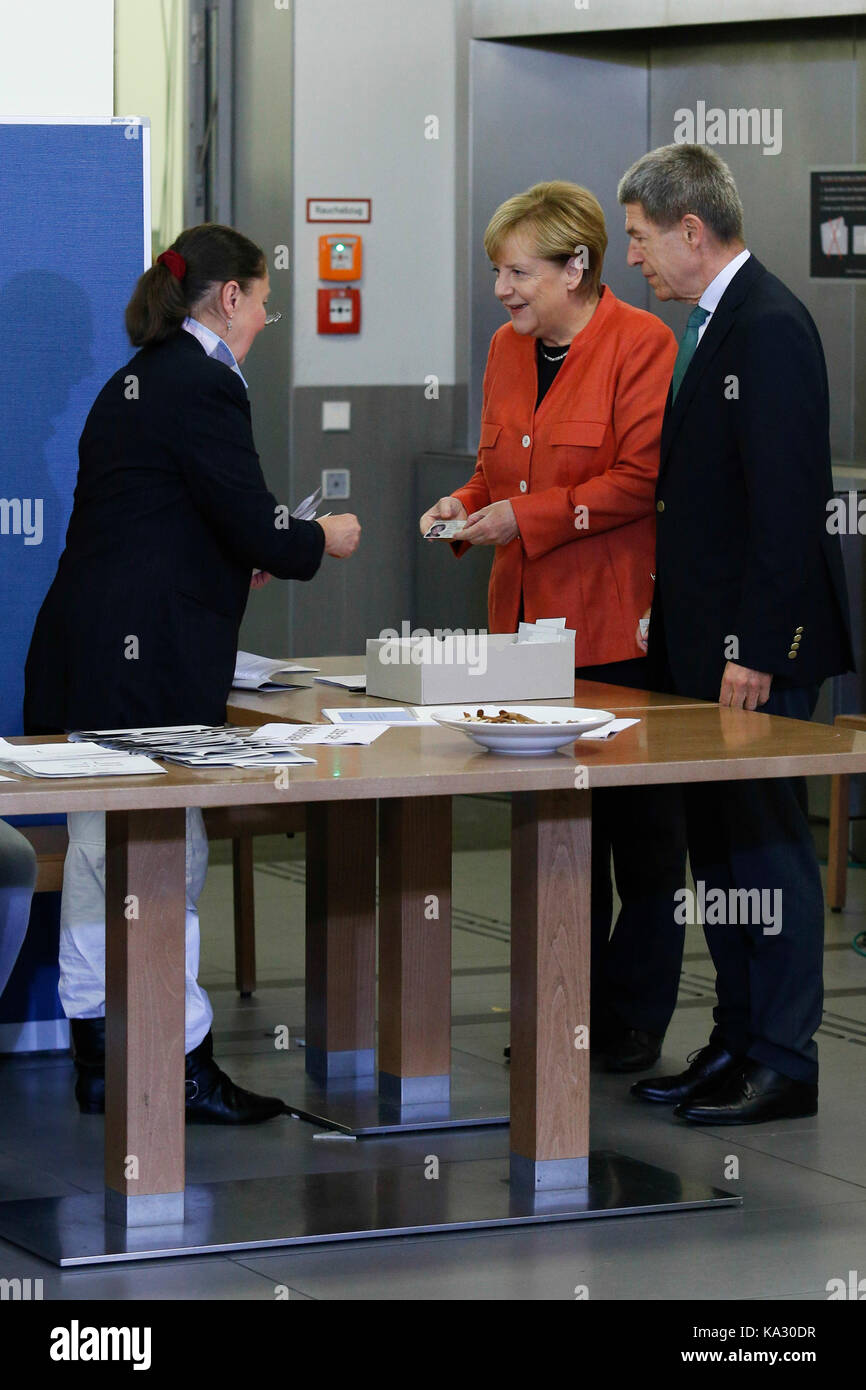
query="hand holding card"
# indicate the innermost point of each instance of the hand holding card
(444, 530)
(446, 509)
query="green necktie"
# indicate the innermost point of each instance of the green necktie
(688, 343)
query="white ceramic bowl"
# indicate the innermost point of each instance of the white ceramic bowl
(555, 726)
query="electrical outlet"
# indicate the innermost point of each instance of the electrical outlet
(336, 415)
(335, 483)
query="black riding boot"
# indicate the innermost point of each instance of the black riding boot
(88, 1051)
(212, 1098)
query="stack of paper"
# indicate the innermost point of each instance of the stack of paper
(79, 759)
(257, 672)
(197, 745)
(351, 683)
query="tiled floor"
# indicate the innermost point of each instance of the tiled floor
(802, 1223)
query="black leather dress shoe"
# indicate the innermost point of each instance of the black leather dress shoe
(631, 1049)
(751, 1094)
(707, 1068)
(212, 1098)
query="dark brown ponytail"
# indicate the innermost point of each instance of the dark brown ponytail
(213, 254)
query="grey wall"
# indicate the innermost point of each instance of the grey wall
(350, 600)
(332, 100)
(263, 210)
(369, 75)
(814, 74)
(550, 112)
(511, 18)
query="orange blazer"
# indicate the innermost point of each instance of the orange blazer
(580, 473)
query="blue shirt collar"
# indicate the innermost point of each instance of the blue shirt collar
(213, 344)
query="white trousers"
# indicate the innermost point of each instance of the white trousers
(82, 921)
(17, 880)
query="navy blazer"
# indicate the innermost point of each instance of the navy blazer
(745, 566)
(170, 516)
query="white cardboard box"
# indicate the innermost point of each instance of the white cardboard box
(477, 667)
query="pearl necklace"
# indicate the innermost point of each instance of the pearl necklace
(547, 356)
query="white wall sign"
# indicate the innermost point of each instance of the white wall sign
(339, 209)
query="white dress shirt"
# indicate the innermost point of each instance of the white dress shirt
(214, 345)
(709, 300)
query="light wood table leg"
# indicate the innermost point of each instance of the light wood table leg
(145, 920)
(415, 949)
(341, 939)
(837, 853)
(550, 960)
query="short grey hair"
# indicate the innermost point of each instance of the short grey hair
(677, 179)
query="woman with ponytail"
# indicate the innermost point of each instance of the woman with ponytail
(171, 517)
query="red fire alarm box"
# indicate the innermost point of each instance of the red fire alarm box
(340, 311)
(340, 256)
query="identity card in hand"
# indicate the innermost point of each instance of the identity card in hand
(444, 530)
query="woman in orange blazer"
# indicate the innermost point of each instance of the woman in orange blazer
(564, 488)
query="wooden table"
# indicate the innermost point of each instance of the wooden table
(413, 772)
(415, 1087)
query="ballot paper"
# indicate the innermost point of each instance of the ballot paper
(543, 630)
(111, 765)
(200, 746)
(72, 760)
(257, 672)
(306, 510)
(383, 716)
(155, 729)
(609, 730)
(14, 751)
(444, 530)
(268, 755)
(350, 683)
(332, 734)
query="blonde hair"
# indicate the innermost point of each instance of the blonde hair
(562, 220)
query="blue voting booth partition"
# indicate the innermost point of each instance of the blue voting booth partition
(74, 238)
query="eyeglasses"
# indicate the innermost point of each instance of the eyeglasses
(272, 318)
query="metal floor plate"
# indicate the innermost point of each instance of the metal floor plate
(263, 1213)
(479, 1096)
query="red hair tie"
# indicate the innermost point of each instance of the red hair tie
(174, 261)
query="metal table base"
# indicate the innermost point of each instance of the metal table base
(266, 1213)
(356, 1105)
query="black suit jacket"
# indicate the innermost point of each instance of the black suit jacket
(745, 567)
(171, 514)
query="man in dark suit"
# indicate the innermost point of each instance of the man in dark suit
(750, 609)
